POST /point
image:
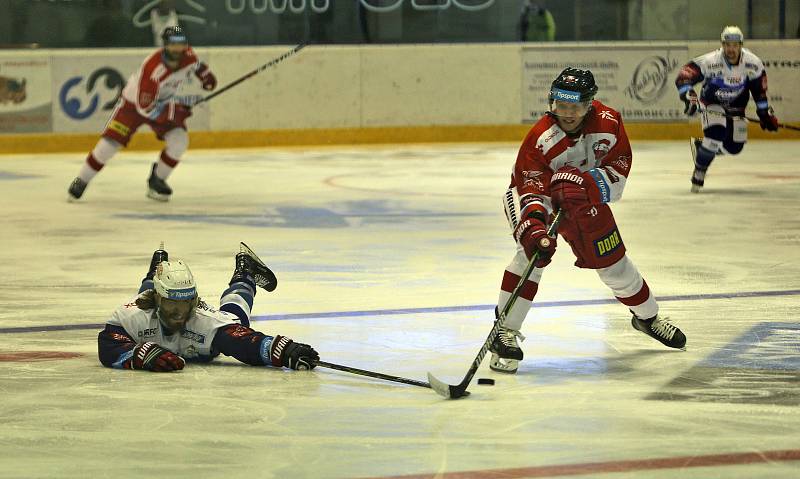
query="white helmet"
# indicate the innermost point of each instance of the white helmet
(732, 33)
(174, 280)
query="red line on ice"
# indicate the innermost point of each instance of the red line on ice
(560, 470)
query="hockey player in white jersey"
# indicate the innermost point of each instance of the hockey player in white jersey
(729, 76)
(168, 324)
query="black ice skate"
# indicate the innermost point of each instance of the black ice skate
(699, 175)
(662, 330)
(506, 353)
(248, 264)
(157, 188)
(76, 189)
(158, 256)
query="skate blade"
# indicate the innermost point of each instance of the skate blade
(501, 365)
(249, 252)
(154, 195)
(696, 189)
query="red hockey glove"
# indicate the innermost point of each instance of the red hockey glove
(203, 73)
(769, 121)
(689, 98)
(531, 233)
(571, 189)
(182, 112)
(152, 357)
(289, 354)
(174, 114)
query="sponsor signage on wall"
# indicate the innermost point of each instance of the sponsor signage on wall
(638, 81)
(783, 73)
(86, 89)
(25, 104)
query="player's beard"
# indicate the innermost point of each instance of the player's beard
(173, 57)
(174, 319)
(173, 323)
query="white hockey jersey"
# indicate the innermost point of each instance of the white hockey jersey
(724, 84)
(192, 342)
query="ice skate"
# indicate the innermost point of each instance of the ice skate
(698, 176)
(76, 189)
(157, 188)
(248, 264)
(159, 255)
(661, 330)
(506, 353)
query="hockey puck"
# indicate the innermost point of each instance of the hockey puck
(486, 381)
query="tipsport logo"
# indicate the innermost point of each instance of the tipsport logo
(81, 97)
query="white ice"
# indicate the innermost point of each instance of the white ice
(361, 230)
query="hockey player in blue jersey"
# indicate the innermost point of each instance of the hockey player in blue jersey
(729, 76)
(168, 324)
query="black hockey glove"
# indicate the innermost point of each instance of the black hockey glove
(289, 354)
(768, 121)
(689, 98)
(152, 357)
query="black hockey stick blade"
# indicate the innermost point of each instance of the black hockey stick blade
(447, 391)
(450, 391)
(372, 374)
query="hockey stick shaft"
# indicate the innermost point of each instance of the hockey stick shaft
(455, 392)
(780, 125)
(749, 118)
(258, 70)
(372, 374)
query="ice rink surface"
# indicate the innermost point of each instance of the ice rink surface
(389, 258)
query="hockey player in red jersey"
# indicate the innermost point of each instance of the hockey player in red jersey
(729, 75)
(150, 97)
(577, 159)
(167, 324)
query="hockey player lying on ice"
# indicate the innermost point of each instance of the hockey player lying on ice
(168, 324)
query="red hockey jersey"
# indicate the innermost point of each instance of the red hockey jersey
(602, 149)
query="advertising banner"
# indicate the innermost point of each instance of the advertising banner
(25, 101)
(783, 75)
(636, 80)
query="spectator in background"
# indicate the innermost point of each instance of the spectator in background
(536, 23)
(110, 28)
(162, 16)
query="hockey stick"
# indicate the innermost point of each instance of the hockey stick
(749, 118)
(263, 67)
(780, 125)
(460, 390)
(370, 374)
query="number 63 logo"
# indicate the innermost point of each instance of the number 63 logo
(74, 106)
